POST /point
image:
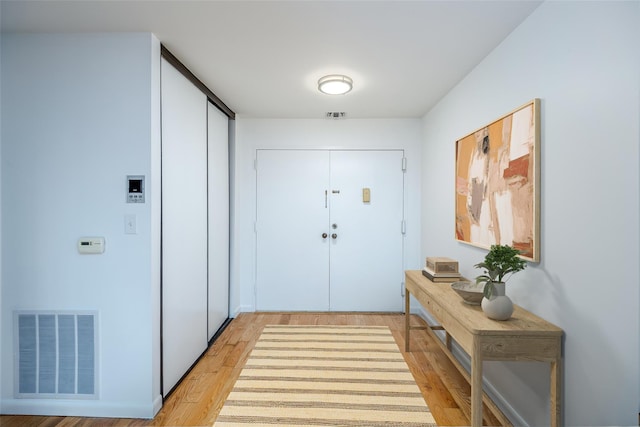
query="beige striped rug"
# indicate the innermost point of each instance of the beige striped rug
(325, 376)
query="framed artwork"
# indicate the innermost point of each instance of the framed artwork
(498, 183)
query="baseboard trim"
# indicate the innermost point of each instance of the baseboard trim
(157, 405)
(242, 309)
(84, 408)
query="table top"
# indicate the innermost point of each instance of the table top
(471, 317)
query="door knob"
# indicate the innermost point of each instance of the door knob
(324, 235)
(334, 236)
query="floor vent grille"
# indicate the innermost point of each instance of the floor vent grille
(55, 354)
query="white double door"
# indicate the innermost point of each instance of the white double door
(321, 245)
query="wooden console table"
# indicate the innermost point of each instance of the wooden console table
(524, 337)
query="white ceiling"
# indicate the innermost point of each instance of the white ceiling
(263, 58)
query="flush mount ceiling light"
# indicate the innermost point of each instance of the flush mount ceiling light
(335, 84)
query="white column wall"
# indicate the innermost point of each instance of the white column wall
(582, 60)
(79, 113)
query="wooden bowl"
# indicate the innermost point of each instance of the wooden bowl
(470, 292)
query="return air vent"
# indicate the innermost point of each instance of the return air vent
(55, 355)
(336, 115)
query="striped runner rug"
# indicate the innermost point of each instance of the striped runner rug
(325, 376)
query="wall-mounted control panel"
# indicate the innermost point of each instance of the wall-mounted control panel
(135, 188)
(91, 245)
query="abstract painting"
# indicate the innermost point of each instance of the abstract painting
(498, 183)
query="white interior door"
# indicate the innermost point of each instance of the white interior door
(218, 171)
(366, 269)
(292, 214)
(184, 225)
(361, 269)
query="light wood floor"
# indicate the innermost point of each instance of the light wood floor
(199, 398)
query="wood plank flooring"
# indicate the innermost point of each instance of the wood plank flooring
(199, 398)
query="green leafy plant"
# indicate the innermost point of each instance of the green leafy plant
(499, 265)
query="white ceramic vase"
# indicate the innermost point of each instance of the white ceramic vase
(499, 306)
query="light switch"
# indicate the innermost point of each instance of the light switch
(130, 224)
(91, 245)
(366, 195)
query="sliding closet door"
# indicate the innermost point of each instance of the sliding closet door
(218, 142)
(184, 225)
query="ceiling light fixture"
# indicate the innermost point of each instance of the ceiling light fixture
(335, 84)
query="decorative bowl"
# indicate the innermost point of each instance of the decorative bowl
(470, 292)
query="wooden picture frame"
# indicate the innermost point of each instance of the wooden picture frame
(498, 183)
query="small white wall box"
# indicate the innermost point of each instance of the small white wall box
(91, 245)
(135, 188)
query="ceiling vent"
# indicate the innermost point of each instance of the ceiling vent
(336, 115)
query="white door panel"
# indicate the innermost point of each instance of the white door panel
(184, 225)
(292, 256)
(366, 257)
(218, 176)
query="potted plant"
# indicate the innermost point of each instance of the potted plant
(499, 265)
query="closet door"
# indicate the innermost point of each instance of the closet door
(218, 155)
(184, 225)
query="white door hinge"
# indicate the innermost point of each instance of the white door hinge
(404, 164)
(401, 289)
(403, 227)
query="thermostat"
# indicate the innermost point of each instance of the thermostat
(91, 245)
(135, 188)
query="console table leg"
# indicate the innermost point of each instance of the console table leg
(555, 393)
(407, 320)
(476, 385)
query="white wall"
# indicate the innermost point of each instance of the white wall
(252, 134)
(80, 112)
(582, 59)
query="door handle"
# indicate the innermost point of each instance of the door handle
(324, 235)
(334, 236)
